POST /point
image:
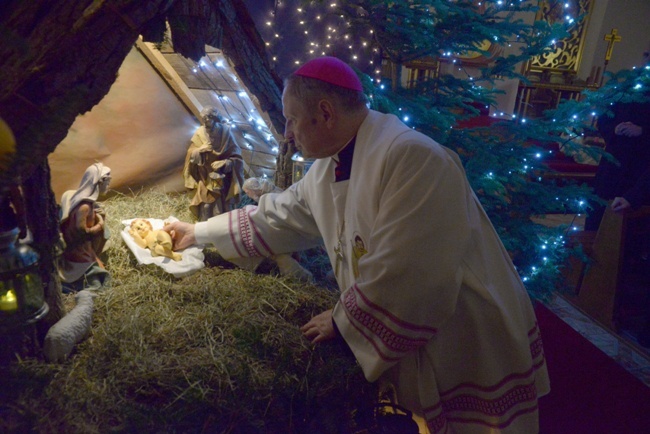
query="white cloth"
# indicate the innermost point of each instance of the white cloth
(430, 298)
(192, 257)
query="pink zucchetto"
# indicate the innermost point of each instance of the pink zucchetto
(331, 70)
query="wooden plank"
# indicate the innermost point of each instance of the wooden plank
(220, 87)
(598, 292)
(172, 78)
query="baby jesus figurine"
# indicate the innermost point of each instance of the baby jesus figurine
(158, 241)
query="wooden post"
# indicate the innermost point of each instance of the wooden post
(597, 295)
(600, 291)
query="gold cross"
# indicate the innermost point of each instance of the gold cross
(611, 39)
(338, 250)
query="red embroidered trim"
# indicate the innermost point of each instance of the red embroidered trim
(389, 338)
(517, 396)
(397, 321)
(259, 237)
(248, 234)
(435, 426)
(491, 410)
(492, 407)
(231, 230)
(245, 233)
(537, 348)
(371, 340)
(518, 400)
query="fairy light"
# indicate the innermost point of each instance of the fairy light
(239, 103)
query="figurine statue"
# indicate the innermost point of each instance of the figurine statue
(256, 187)
(74, 327)
(287, 264)
(157, 241)
(83, 224)
(213, 166)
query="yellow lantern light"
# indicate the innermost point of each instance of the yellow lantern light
(22, 300)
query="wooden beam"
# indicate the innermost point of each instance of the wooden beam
(170, 76)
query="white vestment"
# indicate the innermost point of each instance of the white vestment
(430, 299)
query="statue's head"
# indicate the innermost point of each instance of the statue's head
(142, 227)
(210, 115)
(105, 178)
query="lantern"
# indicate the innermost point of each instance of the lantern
(21, 291)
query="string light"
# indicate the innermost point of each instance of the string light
(255, 129)
(316, 20)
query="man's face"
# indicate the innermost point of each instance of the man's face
(304, 127)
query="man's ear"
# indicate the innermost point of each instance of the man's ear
(327, 111)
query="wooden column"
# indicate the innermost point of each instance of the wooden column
(600, 290)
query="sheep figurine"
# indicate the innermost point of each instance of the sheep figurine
(287, 265)
(290, 267)
(71, 329)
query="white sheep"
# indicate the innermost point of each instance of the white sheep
(290, 267)
(71, 329)
(287, 265)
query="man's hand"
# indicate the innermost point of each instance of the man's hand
(628, 129)
(182, 234)
(619, 204)
(319, 328)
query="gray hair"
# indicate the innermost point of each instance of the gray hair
(310, 90)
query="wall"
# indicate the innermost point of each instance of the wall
(631, 18)
(140, 130)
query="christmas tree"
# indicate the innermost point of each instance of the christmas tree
(505, 162)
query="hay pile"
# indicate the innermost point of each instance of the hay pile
(217, 351)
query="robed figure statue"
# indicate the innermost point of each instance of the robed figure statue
(213, 167)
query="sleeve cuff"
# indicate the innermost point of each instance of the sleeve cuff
(336, 329)
(201, 233)
(340, 341)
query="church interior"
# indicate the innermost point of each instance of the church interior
(142, 128)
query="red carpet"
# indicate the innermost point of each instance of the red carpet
(590, 392)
